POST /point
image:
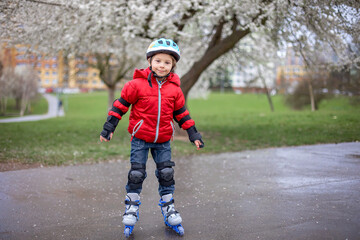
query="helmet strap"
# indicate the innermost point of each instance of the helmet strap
(155, 75)
(149, 79)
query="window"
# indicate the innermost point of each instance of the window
(54, 73)
(47, 65)
(82, 74)
(81, 66)
(21, 49)
(82, 81)
(292, 60)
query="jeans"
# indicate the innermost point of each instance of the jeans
(161, 152)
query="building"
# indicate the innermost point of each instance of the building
(290, 72)
(247, 79)
(54, 71)
(50, 71)
(82, 76)
(294, 70)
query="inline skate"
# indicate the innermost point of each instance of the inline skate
(131, 215)
(172, 217)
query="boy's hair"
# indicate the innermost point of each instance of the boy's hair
(173, 64)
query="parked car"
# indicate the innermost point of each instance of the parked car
(49, 90)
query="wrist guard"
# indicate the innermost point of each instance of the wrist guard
(194, 135)
(109, 127)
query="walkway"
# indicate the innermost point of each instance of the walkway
(308, 192)
(52, 112)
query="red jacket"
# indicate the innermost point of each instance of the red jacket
(153, 108)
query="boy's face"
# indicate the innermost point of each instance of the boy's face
(161, 64)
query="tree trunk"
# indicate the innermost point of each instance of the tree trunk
(111, 91)
(24, 102)
(29, 110)
(3, 103)
(65, 83)
(17, 103)
(211, 54)
(267, 91)
(311, 94)
(22, 108)
(269, 99)
(215, 50)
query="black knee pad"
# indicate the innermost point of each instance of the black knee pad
(137, 175)
(166, 173)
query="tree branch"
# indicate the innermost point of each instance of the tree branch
(185, 17)
(217, 35)
(217, 48)
(50, 3)
(223, 46)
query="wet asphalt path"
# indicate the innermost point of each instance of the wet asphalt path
(309, 192)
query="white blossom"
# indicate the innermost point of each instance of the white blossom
(82, 26)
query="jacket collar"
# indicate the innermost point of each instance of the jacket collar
(144, 73)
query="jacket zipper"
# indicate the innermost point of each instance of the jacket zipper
(159, 109)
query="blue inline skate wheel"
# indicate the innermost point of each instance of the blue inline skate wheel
(180, 230)
(128, 230)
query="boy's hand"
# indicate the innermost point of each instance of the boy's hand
(198, 144)
(195, 137)
(104, 139)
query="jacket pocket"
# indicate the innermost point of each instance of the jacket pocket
(173, 130)
(137, 127)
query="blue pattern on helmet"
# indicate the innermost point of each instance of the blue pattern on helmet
(163, 45)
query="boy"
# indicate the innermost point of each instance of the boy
(156, 99)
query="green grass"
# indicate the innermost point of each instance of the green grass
(38, 106)
(239, 122)
(228, 122)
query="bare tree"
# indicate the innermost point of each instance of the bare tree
(1, 68)
(204, 30)
(26, 86)
(311, 90)
(112, 73)
(309, 81)
(6, 84)
(267, 91)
